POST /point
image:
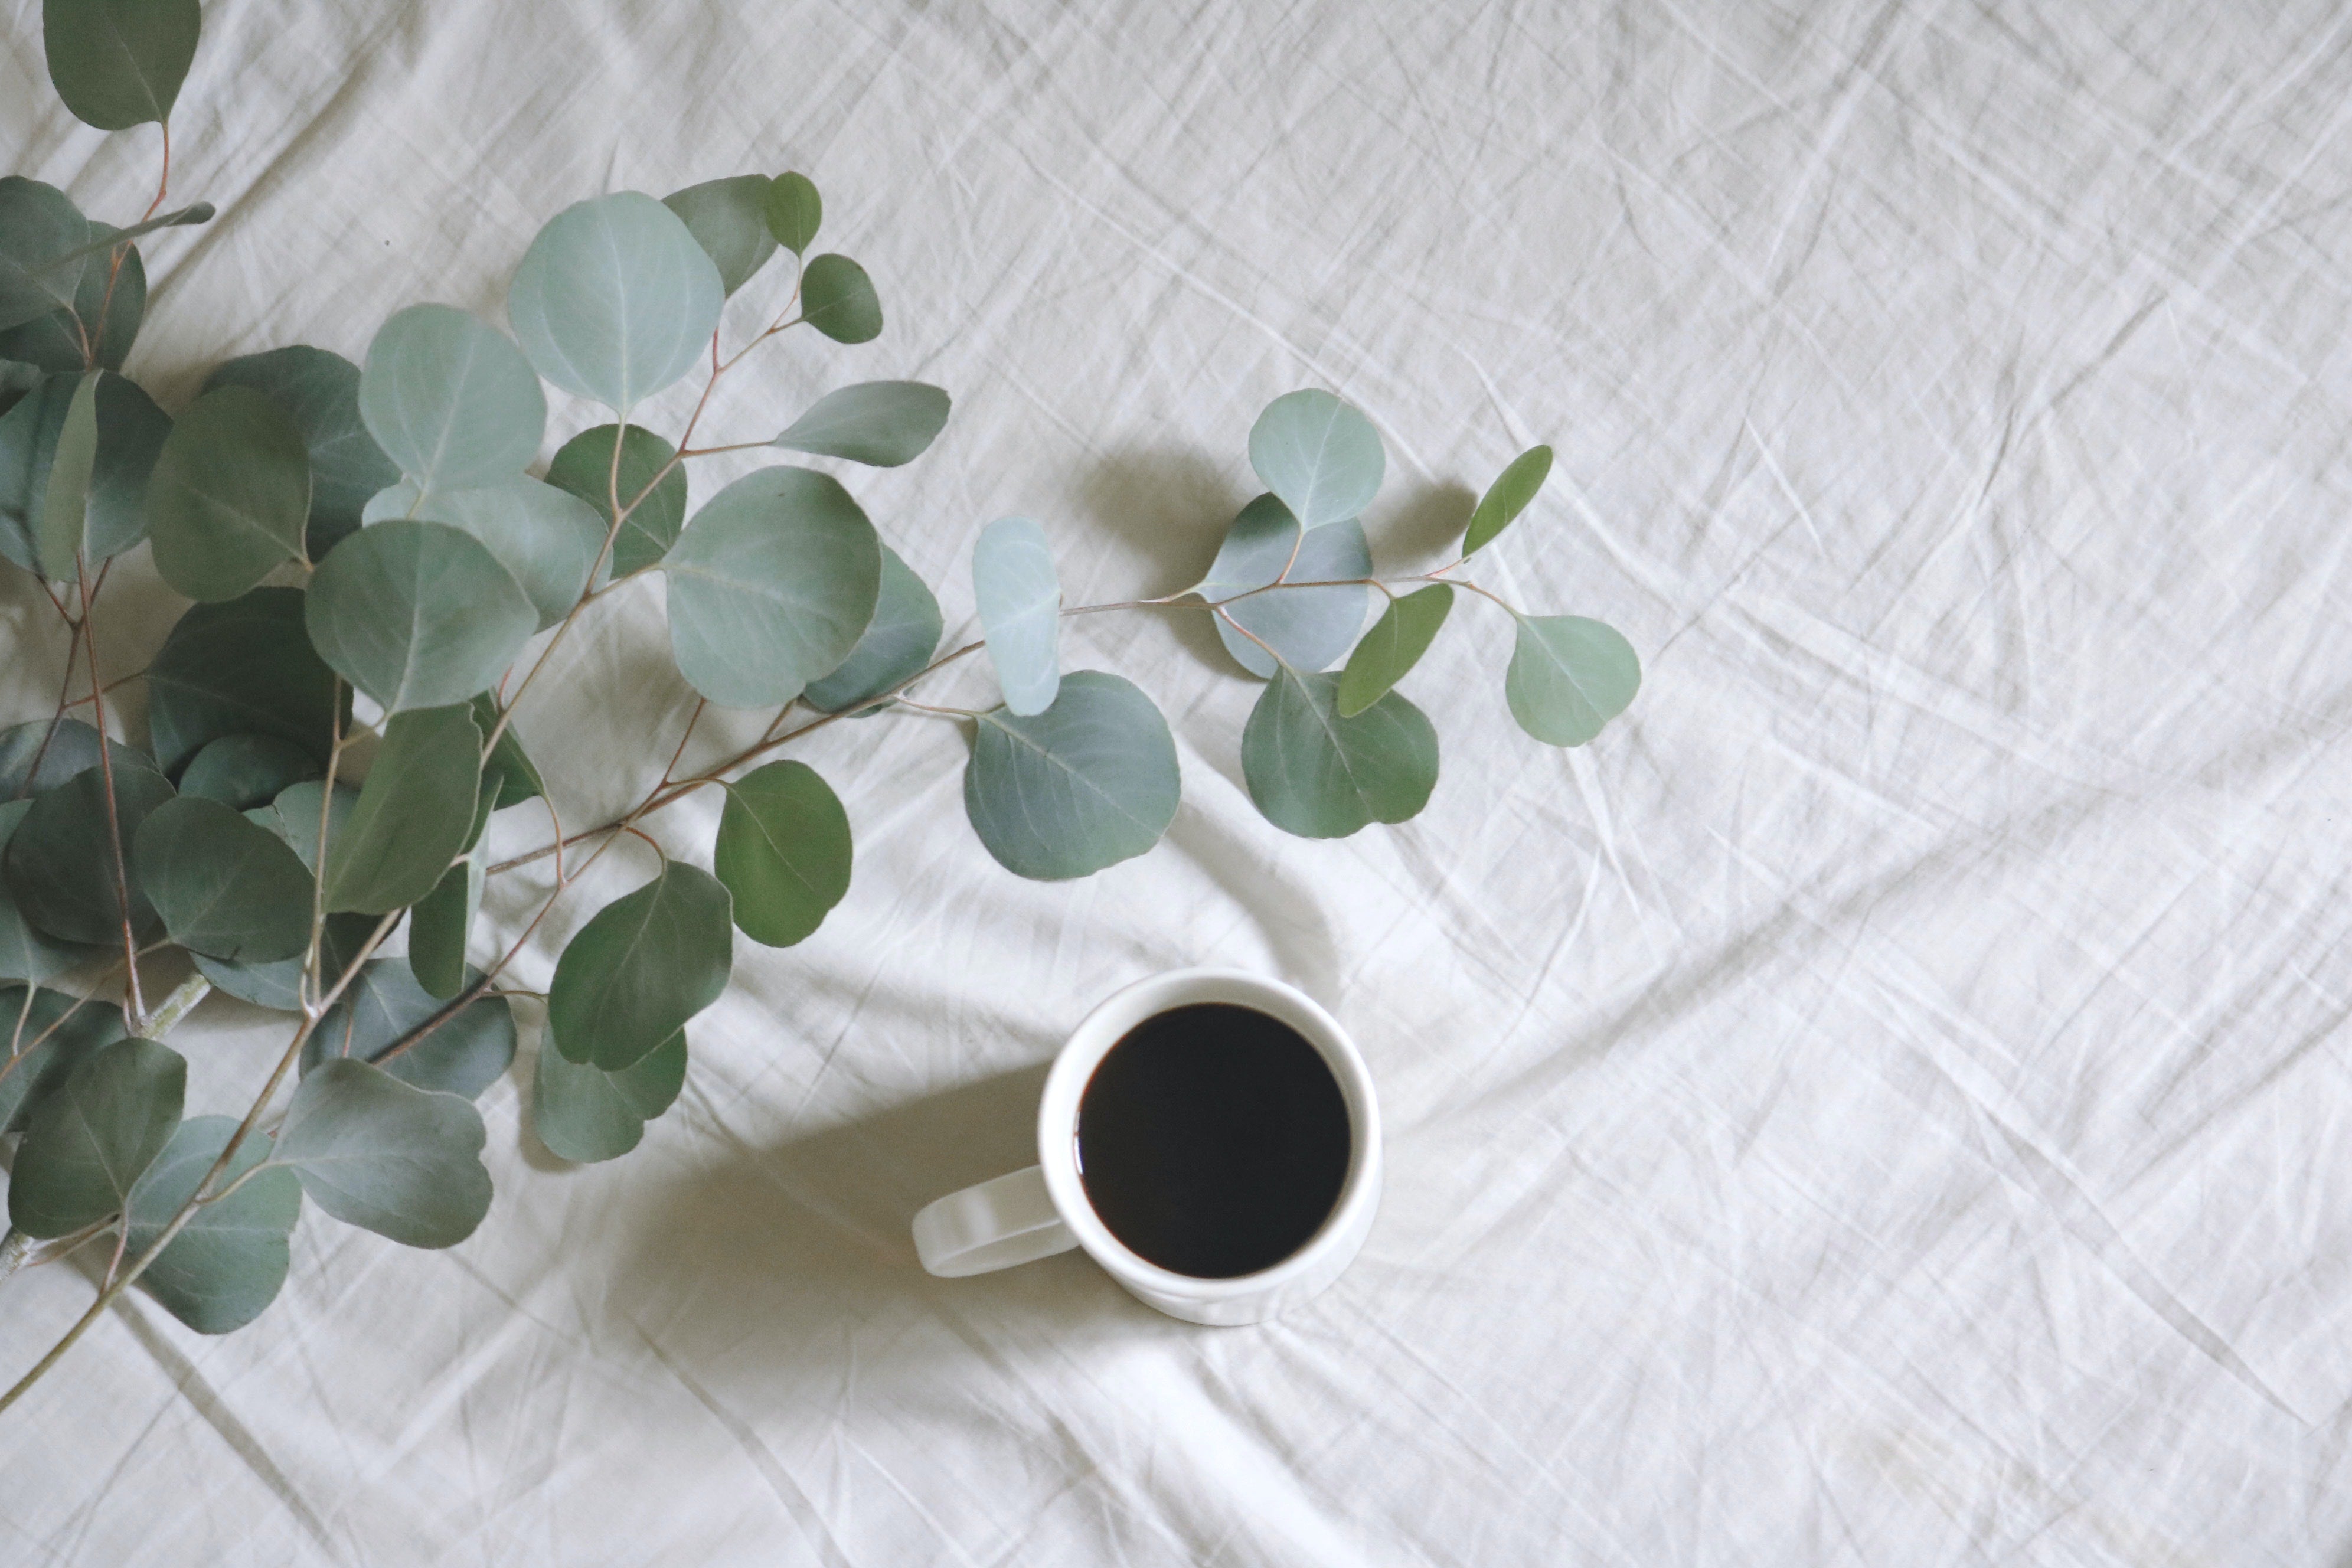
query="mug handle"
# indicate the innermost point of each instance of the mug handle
(993, 1226)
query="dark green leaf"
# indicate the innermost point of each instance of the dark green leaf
(279, 986)
(223, 886)
(879, 423)
(584, 467)
(1020, 599)
(508, 768)
(228, 1261)
(321, 393)
(1507, 497)
(294, 816)
(614, 299)
(783, 851)
(794, 211)
(103, 237)
(1308, 628)
(1088, 783)
(246, 771)
(243, 667)
(417, 615)
(41, 231)
(120, 63)
(414, 813)
(587, 1114)
(27, 952)
(641, 967)
(373, 1152)
(897, 644)
(59, 529)
(1568, 676)
(37, 756)
(1320, 455)
(837, 299)
(42, 1041)
(457, 1051)
(451, 402)
(1393, 646)
(439, 925)
(109, 304)
(60, 863)
(131, 433)
(86, 1144)
(771, 587)
(230, 494)
(1321, 776)
(728, 218)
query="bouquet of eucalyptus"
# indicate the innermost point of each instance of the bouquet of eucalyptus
(368, 555)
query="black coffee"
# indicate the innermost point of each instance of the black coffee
(1212, 1140)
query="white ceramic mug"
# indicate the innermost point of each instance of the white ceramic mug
(1044, 1210)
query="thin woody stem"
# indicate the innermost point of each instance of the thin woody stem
(134, 1007)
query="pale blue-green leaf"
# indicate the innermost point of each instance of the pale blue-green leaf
(549, 539)
(413, 815)
(321, 393)
(1568, 676)
(898, 642)
(294, 816)
(373, 1152)
(1088, 783)
(227, 1262)
(587, 1114)
(58, 866)
(1320, 455)
(1020, 600)
(86, 1144)
(387, 1019)
(615, 301)
(728, 218)
(879, 423)
(1307, 627)
(417, 615)
(450, 401)
(1319, 775)
(222, 886)
(242, 771)
(641, 966)
(230, 494)
(243, 667)
(120, 63)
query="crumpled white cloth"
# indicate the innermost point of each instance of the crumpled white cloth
(1884, 1102)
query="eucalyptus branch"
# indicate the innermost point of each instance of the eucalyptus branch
(134, 1009)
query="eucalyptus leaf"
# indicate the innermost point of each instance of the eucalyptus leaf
(794, 211)
(587, 1114)
(1319, 775)
(120, 63)
(1020, 599)
(60, 866)
(837, 299)
(438, 926)
(1307, 627)
(728, 218)
(279, 986)
(1320, 455)
(1393, 646)
(784, 852)
(86, 1144)
(614, 299)
(228, 1261)
(771, 587)
(882, 423)
(242, 771)
(103, 237)
(108, 305)
(895, 645)
(548, 537)
(27, 952)
(1088, 783)
(451, 402)
(59, 529)
(243, 667)
(40, 754)
(414, 813)
(221, 885)
(1568, 676)
(457, 1049)
(294, 816)
(1507, 497)
(321, 393)
(40, 232)
(416, 615)
(584, 467)
(508, 768)
(230, 495)
(641, 966)
(45, 1037)
(131, 432)
(373, 1152)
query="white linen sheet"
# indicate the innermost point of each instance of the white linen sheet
(1882, 1103)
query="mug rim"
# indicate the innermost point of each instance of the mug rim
(1105, 1026)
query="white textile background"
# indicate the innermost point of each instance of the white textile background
(1884, 1102)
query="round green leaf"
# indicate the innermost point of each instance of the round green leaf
(771, 587)
(614, 299)
(27, 952)
(1020, 599)
(451, 402)
(321, 393)
(86, 1144)
(728, 218)
(1319, 775)
(373, 1152)
(1568, 676)
(413, 815)
(228, 1261)
(584, 467)
(279, 986)
(108, 305)
(417, 615)
(837, 299)
(130, 431)
(243, 667)
(68, 1029)
(898, 642)
(784, 852)
(221, 885)
(587, 1114)
(548, 537)
(37, 756)
(641, 966)
(1320, 455)
(438, 926)
(60, 866)
(244, 770)
(40, 232)
(230, 494)
(879, 423)
(794, 211)
(1308, 628)
(462, 1050)
(1393, 646)
(1088, 783)
(120, 63)
(1507, 497)
(294, 816)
